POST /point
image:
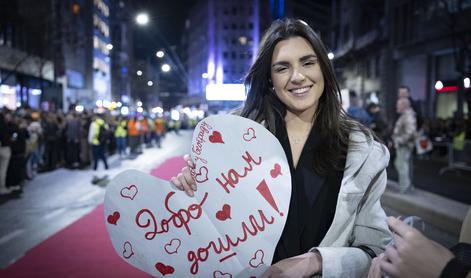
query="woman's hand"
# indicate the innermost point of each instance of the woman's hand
(184, 180)
(375, 267)
(412, 254)
(304, 265)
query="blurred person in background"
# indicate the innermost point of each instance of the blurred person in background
(159, 130)
(73, 133)
(404, 92)
(404, 136)
(356, 111)
(35, 140)
(61, 146)
(97, 138)
(16, 174)
(133, 135)
(120, 136)
(144, 132)
(51, 137)
(5, 153)
(378, 125)
(84, 145)
(151, 125)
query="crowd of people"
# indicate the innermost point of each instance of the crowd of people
(37, 141)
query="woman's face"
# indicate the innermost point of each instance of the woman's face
(296, 75)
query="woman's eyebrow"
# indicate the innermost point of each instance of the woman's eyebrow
(280, 63)
(303, 58)
(307, 57)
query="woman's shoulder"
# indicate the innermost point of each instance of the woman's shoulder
(363, 145)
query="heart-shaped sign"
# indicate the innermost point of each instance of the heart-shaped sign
(232, 225)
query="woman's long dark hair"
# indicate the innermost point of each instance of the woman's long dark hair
(262, 104)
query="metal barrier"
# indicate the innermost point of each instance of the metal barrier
(458, 159)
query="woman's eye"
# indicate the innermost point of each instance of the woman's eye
(309, 63)
(280, 69)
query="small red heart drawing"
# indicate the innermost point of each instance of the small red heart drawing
(202, 175)
(276, 171)
(249, 135)
(129, 192)
(173, 246)
(127, 250)
(113, 218)
(216, 137)
(257, 259)
(164, 269)
(225, 213)
(220, 274)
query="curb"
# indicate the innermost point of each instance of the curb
(434, 209)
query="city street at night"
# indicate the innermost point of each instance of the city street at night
(327, 138)
(55, 200)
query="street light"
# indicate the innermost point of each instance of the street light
(330, 55)
(142, 19)
(166, 68)
(150, 83)
(139, 72)
(205, 75)
(160, 54)
(109, 46)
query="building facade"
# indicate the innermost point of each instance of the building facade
(222, 44)
(122, 51)
(381, 45)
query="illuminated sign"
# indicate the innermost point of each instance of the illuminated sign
(225, 92)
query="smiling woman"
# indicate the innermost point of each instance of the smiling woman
(335, 222)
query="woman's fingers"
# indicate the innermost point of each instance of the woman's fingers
(176, 183)
(189, 178)
(186, 186)
(189, 161)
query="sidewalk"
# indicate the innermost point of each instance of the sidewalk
(441, 212)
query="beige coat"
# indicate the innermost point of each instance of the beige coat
(363, 182)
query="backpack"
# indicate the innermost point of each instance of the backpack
(103, 135)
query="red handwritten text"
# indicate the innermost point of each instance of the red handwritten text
(179, 219)
(198, 148)
(226, 242)
(232, 176)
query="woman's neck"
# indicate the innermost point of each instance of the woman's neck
(301, 120)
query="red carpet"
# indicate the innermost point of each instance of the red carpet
(82, 249)
(169, 168)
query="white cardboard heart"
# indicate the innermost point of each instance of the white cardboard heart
(232, 225)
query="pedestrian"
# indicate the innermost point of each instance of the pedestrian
(159, 130)
(5, 154)
(340, 226)
(378, 124)
(120, 135)
(16, 173)
(356, 111)
(35, 141)
(97, 138)
(133, 135)
(73, 133)
(403, 137)
(404, 92)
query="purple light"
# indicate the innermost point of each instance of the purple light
(211, 70)
(219, 75)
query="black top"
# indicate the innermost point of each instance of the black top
(313, 200)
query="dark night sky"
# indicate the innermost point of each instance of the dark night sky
(167, 19)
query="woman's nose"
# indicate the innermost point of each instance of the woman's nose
(297, 76)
